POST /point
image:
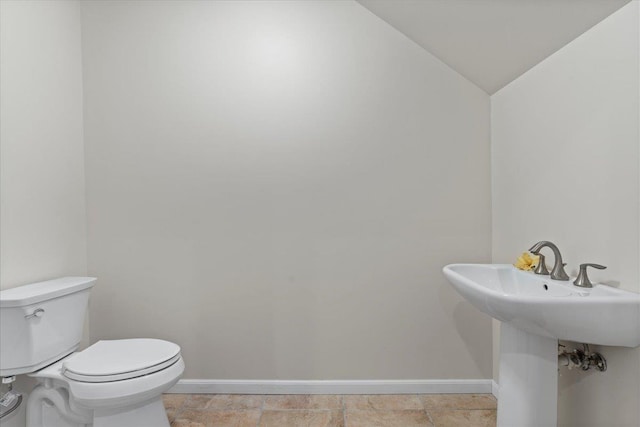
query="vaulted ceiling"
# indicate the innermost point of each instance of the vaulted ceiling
(492, 42)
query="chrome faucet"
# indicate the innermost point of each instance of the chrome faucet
(558, 272)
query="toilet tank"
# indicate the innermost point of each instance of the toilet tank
(41, 323)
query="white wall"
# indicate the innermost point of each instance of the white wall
(42, 201)
(565, 156)
(276, 187)
(42, 211)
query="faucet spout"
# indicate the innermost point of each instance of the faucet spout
(558, 272)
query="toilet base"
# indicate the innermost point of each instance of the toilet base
(48, 407)
(150, 414)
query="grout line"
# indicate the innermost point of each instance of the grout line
(344, 411)
(297, 409)
(424, 408)
(180, 408)
(430, 419)
(261, 410)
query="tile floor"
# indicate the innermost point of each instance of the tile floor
(405, 410)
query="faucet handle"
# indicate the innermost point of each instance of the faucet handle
(583, 280)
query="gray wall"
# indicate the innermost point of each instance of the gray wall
(276, 186)
(565, 142)
(42, 201)
(42, 209)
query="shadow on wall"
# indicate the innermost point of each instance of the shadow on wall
(470, 324)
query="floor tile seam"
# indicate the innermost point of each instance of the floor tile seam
(185, 404)
(261, 412)
(384, 410)
(253, 408)
(176, 415)
(424, 408)
(172, 419)
(180, 407)
(224, 410)
(212, 411)
(429, 417)
(460, 409)
(303, 410)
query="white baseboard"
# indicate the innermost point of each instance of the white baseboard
(495, 388)
(333, 386)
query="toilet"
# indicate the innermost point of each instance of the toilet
(112, 383)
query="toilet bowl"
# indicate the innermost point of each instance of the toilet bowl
(112, 383)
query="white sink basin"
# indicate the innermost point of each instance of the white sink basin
(535, 312)
(556, 309)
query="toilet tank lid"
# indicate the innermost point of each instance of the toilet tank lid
(42, 291)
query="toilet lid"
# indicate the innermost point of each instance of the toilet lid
(117, 360)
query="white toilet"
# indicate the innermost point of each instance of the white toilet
(115, 383)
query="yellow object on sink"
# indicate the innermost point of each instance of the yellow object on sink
(526, 261)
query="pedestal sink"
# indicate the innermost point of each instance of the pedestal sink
(536, 312)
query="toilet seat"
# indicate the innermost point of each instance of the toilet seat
(117, 360)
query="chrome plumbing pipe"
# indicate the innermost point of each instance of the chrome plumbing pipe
(583, 359)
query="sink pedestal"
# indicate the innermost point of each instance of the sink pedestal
(528, 379)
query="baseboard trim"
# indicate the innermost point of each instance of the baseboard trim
(333, 386)
(495, 388)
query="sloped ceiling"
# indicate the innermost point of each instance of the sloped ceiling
(492, 42)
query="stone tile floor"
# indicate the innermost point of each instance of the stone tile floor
(400, 410)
